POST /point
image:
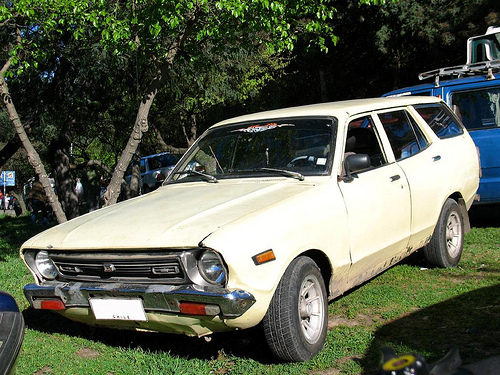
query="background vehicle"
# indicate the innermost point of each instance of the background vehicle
(11, 332)
(154, 169)
(474, 96)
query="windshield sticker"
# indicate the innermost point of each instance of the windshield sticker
(261, 128)
(321, 161)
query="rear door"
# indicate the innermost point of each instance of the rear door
(422, 163)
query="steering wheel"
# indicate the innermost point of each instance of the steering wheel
(303, 161)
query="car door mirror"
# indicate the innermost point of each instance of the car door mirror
(355, 163)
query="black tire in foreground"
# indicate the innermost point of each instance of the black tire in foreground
(446, 245)
(296, 322)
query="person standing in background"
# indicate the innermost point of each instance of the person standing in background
(38, 201)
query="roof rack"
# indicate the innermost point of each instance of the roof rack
(484, 67)
(483, 57)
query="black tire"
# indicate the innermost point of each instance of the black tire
(446, 245)
(296, 322)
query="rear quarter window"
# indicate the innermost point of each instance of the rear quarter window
(404, 134)
(441, 120)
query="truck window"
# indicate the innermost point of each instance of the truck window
(440, 120)
(479, 109)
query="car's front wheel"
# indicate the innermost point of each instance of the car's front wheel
(295, 324)
(446, 245)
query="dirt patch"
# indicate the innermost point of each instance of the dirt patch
(360, 320)
(88, 353)
(43, 371)
(334, 371)
(330, 371)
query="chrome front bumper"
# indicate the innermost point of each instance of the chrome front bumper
(161, 298)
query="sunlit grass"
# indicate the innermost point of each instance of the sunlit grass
(410, 308)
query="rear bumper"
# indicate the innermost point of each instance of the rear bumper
(155, 298)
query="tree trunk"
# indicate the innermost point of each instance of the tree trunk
(141, 122)
(165, 147)
(190, 133)
(63, 178)
(135, 179)
(33, 156)
(141, 125)
(11, 147)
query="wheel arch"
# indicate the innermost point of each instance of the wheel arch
(457, 197)
(323, 263)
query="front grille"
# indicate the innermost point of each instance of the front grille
(113, 267)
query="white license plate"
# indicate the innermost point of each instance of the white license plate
(118, 309)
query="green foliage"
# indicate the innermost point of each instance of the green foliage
(82, 60)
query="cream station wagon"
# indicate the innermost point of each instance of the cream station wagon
(265, 219)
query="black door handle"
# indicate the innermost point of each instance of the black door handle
(395, 178)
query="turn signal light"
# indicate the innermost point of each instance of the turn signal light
(49, 304)
(264, 257)
(194, 308)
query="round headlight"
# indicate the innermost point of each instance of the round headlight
(212, 268)
(45, 265)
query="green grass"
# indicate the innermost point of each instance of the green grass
(409, 308)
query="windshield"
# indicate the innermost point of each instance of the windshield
(287, 147)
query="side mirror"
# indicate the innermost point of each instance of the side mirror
(355, 163)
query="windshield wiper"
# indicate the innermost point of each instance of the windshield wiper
(204, 176)
(284, 172)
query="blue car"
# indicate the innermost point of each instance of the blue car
(154, 169)
(11, 332)
(473, 92)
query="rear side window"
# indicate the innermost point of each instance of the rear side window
(160, 161)
(440, 119)
(404, 134)
(479, 109)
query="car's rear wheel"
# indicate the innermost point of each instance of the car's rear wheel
(295, 324)
(446, 245)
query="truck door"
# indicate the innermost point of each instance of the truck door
(479, 109)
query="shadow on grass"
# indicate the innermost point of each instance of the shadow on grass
(249, 343)
(470, 321)
(485, 216)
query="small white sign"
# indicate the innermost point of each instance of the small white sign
(118, 309)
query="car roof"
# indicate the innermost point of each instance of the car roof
(335, 109)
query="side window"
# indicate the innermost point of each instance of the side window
(404, 134)
(440, 120)
(362, 138)
(478, 109)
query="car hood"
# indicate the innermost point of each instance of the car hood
(173, 216)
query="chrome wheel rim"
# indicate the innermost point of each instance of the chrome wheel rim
(312, 309)
(454, 234)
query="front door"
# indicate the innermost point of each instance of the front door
(378, 205)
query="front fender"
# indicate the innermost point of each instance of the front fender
(315, 220)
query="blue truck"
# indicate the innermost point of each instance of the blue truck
(473, 91)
